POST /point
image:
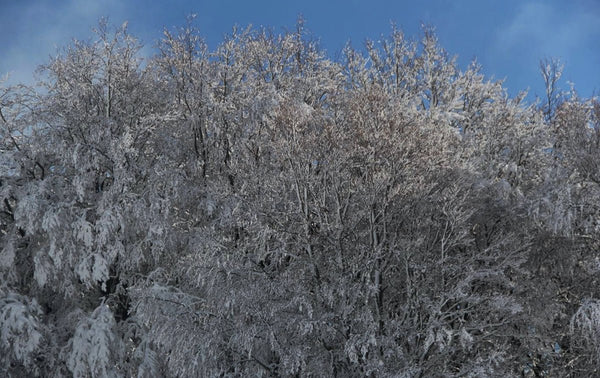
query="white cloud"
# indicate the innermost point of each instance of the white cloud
(547, 29)
(46, 26)
(543, 29)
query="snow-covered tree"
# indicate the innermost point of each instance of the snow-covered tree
(262, 210)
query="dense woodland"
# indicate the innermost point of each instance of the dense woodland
(263, 210)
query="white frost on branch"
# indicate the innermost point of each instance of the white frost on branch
(95, 348)
(20, 330)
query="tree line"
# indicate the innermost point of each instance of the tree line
(263, 210)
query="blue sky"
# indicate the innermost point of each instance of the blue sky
(507, 37)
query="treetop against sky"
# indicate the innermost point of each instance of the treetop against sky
(257, 210)
(507, 38)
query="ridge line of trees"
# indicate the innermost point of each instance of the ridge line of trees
(261, 210)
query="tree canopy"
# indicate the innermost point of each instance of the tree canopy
(263, 210)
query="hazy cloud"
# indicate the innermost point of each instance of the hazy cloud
(537, 30)
(540, 28)
(43, 27)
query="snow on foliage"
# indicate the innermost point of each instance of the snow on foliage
(95, 349)
(20, 328)
(263, 210)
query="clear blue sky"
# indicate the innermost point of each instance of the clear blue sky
(508, 37)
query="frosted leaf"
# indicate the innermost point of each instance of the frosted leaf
(210, 207)
(100, 270)
(465, 338)
(95, 349)
(118, 249)
(55, 254)
(351, 351)
(41, 270)
(501, 302)
(9, 166)
(105, 227)
(156, 230)
(27, 213)
(83, 231)
(83, 271)
(127, 140)
(443, 338)
(51, 221)
(93, 269)
(585, 326)
(148, 366)
(7, 256)
(19, 328)
(79, 187)
(429, 340)
(75, 155)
